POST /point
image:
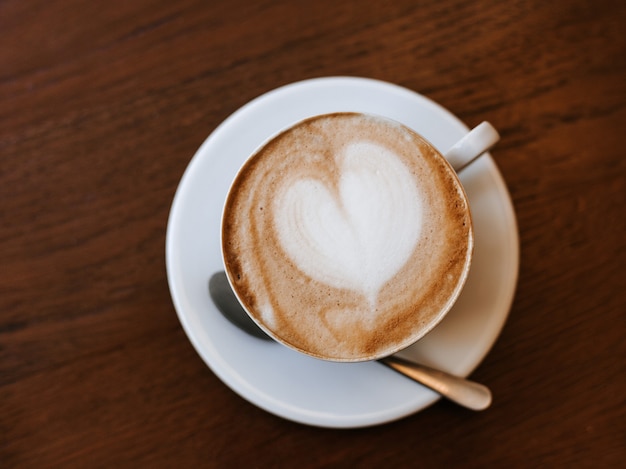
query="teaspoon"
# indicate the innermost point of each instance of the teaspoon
(462, 391)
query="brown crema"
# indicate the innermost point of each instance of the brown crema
(327, 320)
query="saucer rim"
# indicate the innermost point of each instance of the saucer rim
(216, 363)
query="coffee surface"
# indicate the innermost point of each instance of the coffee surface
(347, 237)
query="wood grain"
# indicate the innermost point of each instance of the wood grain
(102, 107)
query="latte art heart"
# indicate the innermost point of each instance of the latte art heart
(359, 234)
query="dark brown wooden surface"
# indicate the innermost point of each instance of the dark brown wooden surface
(102, 105)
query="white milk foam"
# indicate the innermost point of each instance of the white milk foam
(360, 237)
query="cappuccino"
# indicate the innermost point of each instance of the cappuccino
(347, 237)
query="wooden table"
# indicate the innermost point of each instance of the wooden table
(102, 105)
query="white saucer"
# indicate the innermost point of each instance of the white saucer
(287, 383)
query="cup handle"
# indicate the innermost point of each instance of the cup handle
(479, 140)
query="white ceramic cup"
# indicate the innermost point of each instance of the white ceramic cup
(471, 146)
